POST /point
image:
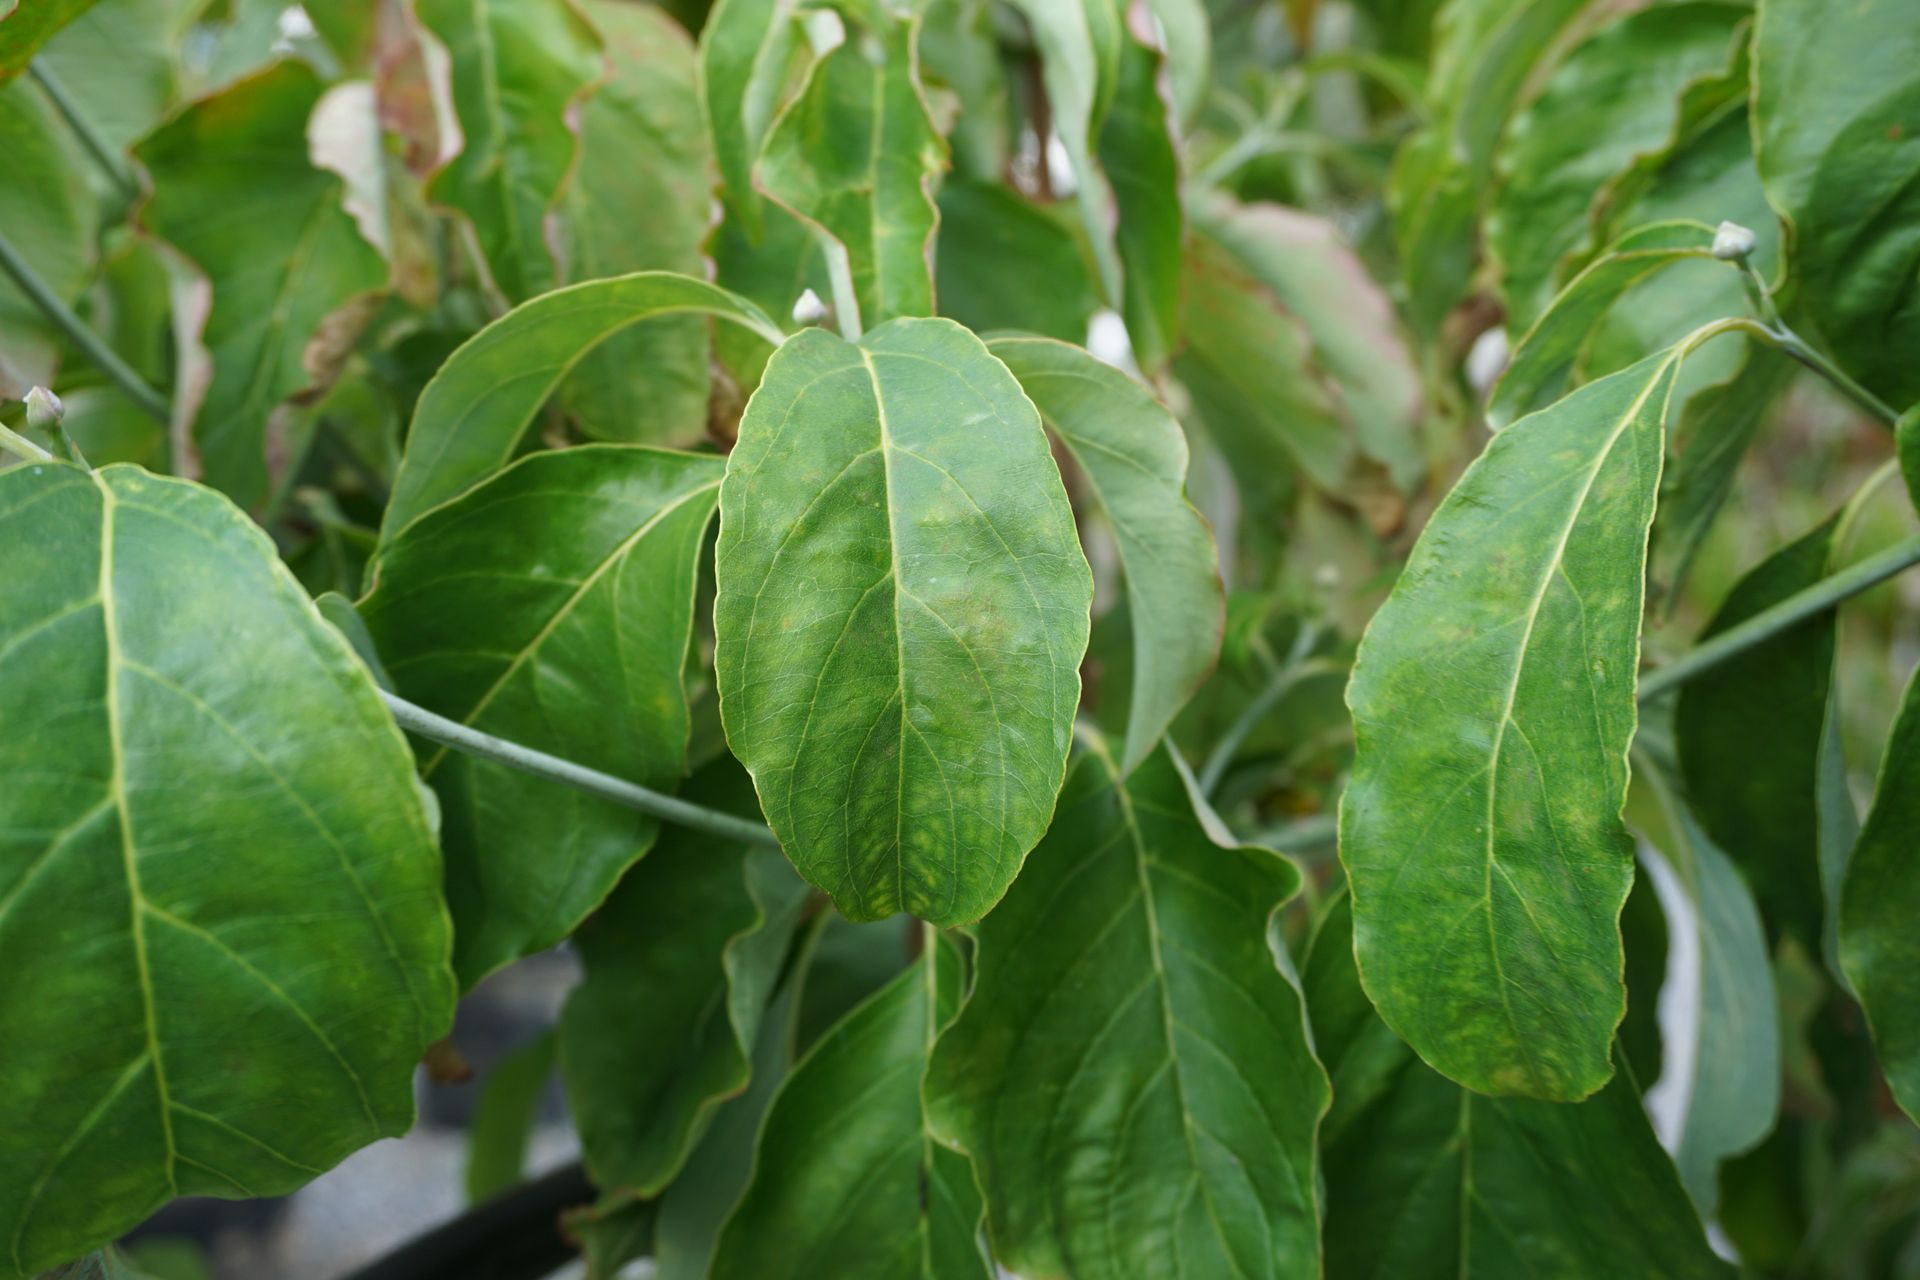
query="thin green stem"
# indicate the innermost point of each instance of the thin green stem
(20, 447)
(118, 371)
(111, 162)
(460, 737)
(1796, 608)
(1774, 330)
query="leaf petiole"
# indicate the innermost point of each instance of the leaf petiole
(91, 345)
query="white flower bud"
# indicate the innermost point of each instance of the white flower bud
(1733, 242)
(44, 409)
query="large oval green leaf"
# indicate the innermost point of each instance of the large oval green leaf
(1129, 1033)
(1134, 456)
(1493, 703)
(220, 917)
(551, 606)
(846, 1179)
(902, 608)
(474, 412)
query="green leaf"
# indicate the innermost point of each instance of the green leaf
(1614, 99)
(234, 191)
(1878, 905)
(119, 62)
(1544, 362)
(856, 155)
(1007, 263)
(25, 26)
(220, 917)
(50, 217)
(1762, 807)
(902, 608)
(960, 56)
(1134, 457)
(1131, 1032)
(1493, 702)
(1837, 137)
(847, 1181)
(680, 962)
(551, 606)
(1907, 437)
(520, 69)
(640, 202)
(1250, 368)
(503, 1118)
(1313, 273)
(470, 419)
(1432, 1182)
(1142, 168)
(1719, 1084)
(750, 51)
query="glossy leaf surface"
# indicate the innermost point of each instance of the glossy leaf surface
(473, 414)
(212, 989)
(519, 70)
(551, 606)
(1132, 1074)
(1837, 137)
(1878, 905)
(680, 962)
(234, 191)
(846, 1179)
(1134, 456)
(1495, 1189)
(901, 613)
(856, 154)
(1493, 702)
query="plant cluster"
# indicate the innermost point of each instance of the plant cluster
(1367, 775)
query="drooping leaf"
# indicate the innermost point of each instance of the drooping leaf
(119, 62)
(26, 25)
(519, 70)
(504, 1116)
(551, 606)
(1719, 1085)
(750, 51)
(1249, 366)
(1430, 1181)
(1493, 702)
(1544, 361)
(640, 203)
(901, 612)
(1837, 137)
(470, 418)
(855, 154)
(1615, 98)
(1134, 456)
(1762, 807)
(1132, 1075)
(217, 988)
(1142, 168)
(960, 56)
(1878, 905)
(1006, 263)
(234, 190)
(680, 962)
(847, 1180)
(49, 216)
(1312, 271)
